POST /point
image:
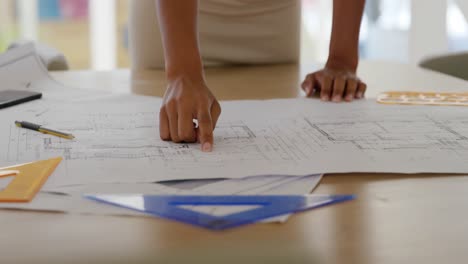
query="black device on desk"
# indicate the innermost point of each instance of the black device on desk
(13, 97)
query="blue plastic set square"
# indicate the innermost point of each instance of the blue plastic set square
(266, 206)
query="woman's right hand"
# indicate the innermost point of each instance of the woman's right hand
(188, 98)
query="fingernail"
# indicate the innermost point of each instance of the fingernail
(307, 89)
(337, 98)
(359, 95)
(349, 98)
(207, 147)
(325, 98)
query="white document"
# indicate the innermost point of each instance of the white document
(70, 199)
(257, 185)
(22, 69)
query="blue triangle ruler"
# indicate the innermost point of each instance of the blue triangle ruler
(267, 206)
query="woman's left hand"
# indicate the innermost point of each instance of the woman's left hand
(334, 84)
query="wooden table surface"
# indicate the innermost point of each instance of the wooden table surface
(395, 219)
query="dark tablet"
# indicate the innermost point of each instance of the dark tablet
(13, 97)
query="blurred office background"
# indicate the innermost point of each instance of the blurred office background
(93, 33)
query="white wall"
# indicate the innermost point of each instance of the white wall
(103, 31)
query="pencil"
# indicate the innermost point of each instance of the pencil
(44, 130)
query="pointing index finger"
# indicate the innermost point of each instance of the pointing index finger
(205, 127)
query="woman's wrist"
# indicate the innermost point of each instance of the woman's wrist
(192, 70)
(349, 63)
(193, 75)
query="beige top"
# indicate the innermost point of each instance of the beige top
(230, 31)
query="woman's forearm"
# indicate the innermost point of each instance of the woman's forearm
(344, 44)
(178, 26)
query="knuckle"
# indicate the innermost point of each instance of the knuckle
(337, 92)
(350, 90)
(349, 76)
(171, 104)
(326, 74)
(218, 112)
(181, 99)
(217, 107)
(203, 119)
(176, 139)
(187, 136)
(326, 87)
(205, 126)
(340, 80)
(204, 114)
(338, 88)
(326, 79)
(164, 135)
(187, 139)
(162, 110)
(351, 87)
(204, 103)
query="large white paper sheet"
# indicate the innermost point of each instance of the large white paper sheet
(117, 139)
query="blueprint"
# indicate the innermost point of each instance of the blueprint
(117, 138)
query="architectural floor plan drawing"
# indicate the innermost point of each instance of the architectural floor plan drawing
(117, 136)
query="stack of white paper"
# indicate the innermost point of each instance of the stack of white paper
(70, 199)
